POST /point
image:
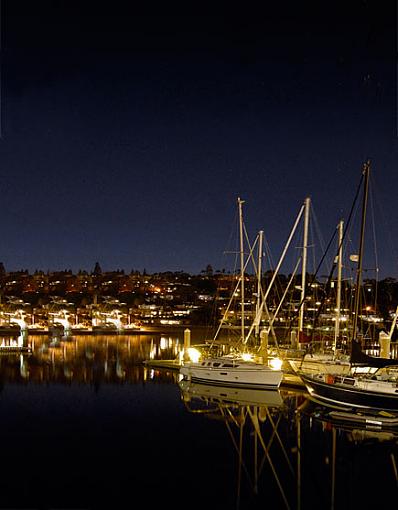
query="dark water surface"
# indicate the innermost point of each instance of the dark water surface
(86, 425)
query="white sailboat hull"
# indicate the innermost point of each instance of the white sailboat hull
(242, 374)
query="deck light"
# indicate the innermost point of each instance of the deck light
(275, 363)
(193, 354)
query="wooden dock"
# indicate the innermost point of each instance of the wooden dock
(165, 364)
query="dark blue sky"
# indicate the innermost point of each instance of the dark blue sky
(127, 135)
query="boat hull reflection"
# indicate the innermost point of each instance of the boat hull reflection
(231, 395)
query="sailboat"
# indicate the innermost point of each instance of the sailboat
(295, 355)
(327, 359)
(372, 382)
(239, 368)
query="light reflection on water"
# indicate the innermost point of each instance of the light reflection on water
(87, 359)
(86, 425)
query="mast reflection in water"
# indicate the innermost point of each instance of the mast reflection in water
(86, 425)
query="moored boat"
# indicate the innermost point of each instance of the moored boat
(372, 382)
(232, 370)
(379, 391)
(238, 368)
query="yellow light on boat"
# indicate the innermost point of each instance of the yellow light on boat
(194, 354)
(275, 363)
(246, 356)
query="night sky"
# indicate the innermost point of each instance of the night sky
(127, 135)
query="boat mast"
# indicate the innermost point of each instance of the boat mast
(262, 305)
(338, 298)
(242, 270)
(259, 269)
(365, 172)
(304, 265)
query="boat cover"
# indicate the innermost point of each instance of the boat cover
(360, 358)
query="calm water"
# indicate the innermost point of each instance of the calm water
(85, 425)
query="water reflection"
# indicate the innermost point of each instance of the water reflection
(252, 418)
(285, 450)
(288, 454)
(86, 359)
(359, 461)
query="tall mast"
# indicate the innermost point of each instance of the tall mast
(275, 273)
(304, 265)
(259, 270)
(242, 270)
(339, 271)
(365, 172)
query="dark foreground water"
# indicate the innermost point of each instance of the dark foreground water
(85, 425)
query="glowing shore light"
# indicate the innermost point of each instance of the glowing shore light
(275, 363)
